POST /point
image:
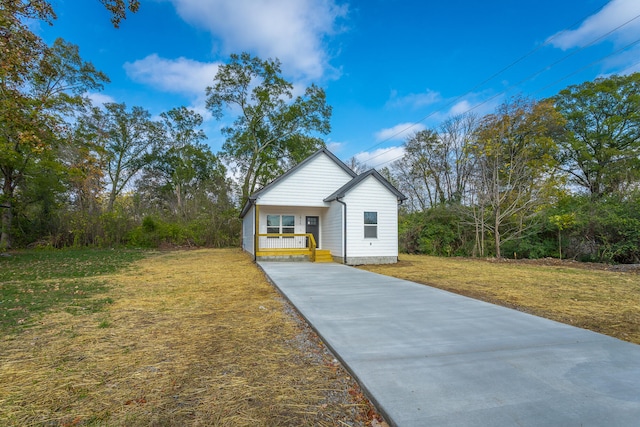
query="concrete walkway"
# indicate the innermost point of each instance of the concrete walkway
(427, 357)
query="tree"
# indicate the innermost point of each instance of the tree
(187, 162)
(181, 127)
(437, 163)
(562, 222)
(601, 145)
(273, 131)
(356, 165)
(424, 156)
(19, 11)
(514, 150)
(118, 9)
(181, 178)
(40, 86)
(21, 48)
(456, 135)
(34, 106)
(187, 170)
(128, 141)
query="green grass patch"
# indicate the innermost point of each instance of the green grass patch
(68, 263)
(36, 282)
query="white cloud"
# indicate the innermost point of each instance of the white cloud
(614, 14)
(334, 146)
(99, 99)
(414, 100)
(460, 108)
(293, 31)
(399, 131)
(622, 64)
(380, 157)
(473, 103)
(182, 75)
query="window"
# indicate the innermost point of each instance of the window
(288, 224)
(371, 225)
(277, 224)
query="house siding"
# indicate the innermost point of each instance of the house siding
(371, 195)
(333, 230)
(248, 231)
(308, 186)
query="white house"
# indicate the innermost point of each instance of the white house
(352, 219)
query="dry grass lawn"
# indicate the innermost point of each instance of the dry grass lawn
(191, 338)
(603, 301)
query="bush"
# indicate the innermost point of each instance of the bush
(605, 230)
(205, 231)
(437, 231)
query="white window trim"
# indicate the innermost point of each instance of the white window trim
(280, 225)
(370, 226)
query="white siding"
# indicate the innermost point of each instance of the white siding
(371, 196)
(248, 241)
(333, 230)
(307, 186)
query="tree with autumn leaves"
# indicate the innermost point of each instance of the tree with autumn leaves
(555, 177)
(40, 86)
(515, 174)
(60, 156)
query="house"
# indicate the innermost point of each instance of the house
(322, 210)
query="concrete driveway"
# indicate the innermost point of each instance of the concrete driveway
(427, 357)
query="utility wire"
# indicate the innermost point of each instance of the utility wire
(539, 90)
(542, 70)
(545, 87)
(629, 67)
(458, 98)
(591, 65)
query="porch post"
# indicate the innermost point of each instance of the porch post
(257, 232)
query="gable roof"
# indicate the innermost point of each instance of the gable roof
(358, 179)
(254, 196)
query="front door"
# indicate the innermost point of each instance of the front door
(313, 227)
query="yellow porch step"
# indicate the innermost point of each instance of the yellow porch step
(323, 256)
(281, 252)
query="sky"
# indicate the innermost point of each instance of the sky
(390, 68)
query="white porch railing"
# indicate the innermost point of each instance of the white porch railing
(273, 244)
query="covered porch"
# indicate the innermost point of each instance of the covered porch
(292, 233)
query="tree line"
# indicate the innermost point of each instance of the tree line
(557, 177)
(76, 174)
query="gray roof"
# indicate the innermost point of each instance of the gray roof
(255, 195)
(358, 179)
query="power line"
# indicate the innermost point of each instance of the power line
(482, 83)
(592, 64)
(539, 90)
(542, 70)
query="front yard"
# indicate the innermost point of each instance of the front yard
(174, 338)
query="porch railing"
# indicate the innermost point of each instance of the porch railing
(274, 244)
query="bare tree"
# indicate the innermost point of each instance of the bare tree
(356, 165)
(437, 164)
(515, 151)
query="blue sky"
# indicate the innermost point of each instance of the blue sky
(389, 67)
